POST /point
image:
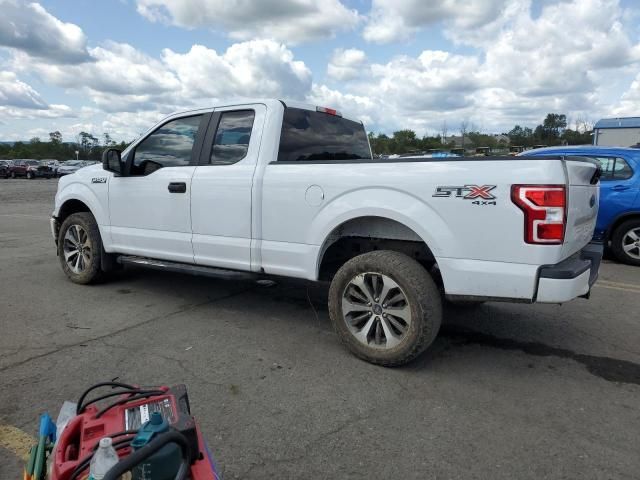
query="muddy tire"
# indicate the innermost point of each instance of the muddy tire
(80, 248)
(385, 307)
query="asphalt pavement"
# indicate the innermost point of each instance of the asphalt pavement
(507, 391)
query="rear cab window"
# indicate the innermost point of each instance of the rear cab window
(309, 135)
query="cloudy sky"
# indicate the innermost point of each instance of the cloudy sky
(118, 66)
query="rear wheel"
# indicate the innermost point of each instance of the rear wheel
(385, 307)
(80, 248)
(625, 242)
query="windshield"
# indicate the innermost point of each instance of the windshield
(309, 135)
(31, 162)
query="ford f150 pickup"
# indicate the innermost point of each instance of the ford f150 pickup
(288, 189)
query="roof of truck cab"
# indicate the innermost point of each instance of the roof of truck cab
(269, 102)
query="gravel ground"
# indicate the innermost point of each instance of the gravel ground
(507, 391)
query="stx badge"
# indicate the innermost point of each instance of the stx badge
(468, 192)
(99, 180)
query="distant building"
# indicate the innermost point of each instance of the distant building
(457, 141)
(502, 139)
(617, 132)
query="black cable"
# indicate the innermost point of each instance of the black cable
(83, 407)
(86, 461)
(102, 384)
(137, 457)
(116, 435)
(141, 395)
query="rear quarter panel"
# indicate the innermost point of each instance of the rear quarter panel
(404, 191)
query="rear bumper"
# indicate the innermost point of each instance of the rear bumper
(571, 278)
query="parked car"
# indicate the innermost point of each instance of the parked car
(5, 165)
(618, 223)
(70, 166)
(53, 165)
(289, 189)
(30, 169)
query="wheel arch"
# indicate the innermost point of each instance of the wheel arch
(366, 233)
(619, 220)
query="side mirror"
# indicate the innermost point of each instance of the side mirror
(112, 161)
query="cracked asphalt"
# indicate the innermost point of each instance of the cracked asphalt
(507, 391)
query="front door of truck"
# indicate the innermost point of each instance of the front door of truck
(150, 208)
(222, 186)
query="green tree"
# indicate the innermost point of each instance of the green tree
(55, 137)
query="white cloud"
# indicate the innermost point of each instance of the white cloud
(258, 68)
(347, 64)
(30, 28)
(116, 68)
(16, 93)
(291, 21)
(391, 20)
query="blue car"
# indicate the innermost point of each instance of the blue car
(618, 223)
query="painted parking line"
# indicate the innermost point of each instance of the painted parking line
(623, 287)
(16, 441)
(24, 215)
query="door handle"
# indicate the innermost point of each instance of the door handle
(177, 187)
(620, 188)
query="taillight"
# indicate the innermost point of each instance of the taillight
(545, 212)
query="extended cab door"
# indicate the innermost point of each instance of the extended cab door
(221, 189)
(149, 208)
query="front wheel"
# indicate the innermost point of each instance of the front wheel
(80, 248)
(385, 307)
(29, 176)
(625, 242)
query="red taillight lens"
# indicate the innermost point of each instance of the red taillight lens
(544, 208)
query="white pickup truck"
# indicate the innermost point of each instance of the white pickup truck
(288, 189)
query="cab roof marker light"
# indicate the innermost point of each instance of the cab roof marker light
(329, 111)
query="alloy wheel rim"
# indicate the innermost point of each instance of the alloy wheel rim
(77, 249)
(376, 310)
(631, 243)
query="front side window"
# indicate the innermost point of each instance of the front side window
(309, 135)
(169, 146)
(232, 137)
(614, 168)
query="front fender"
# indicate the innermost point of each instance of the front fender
(396, 205)
(96, 201)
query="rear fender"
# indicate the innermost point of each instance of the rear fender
(406, 209)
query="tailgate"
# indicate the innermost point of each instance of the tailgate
(582, 204)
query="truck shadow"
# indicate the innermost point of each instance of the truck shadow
(310, 298)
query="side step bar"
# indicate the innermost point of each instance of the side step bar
(191, 269)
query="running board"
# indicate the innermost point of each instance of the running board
(191, 269)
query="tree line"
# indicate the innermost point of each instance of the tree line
(552, 131)
(88, 146)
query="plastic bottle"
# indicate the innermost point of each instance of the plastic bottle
(102, 461)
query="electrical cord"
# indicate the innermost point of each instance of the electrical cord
(84, 406)
(79, 408)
